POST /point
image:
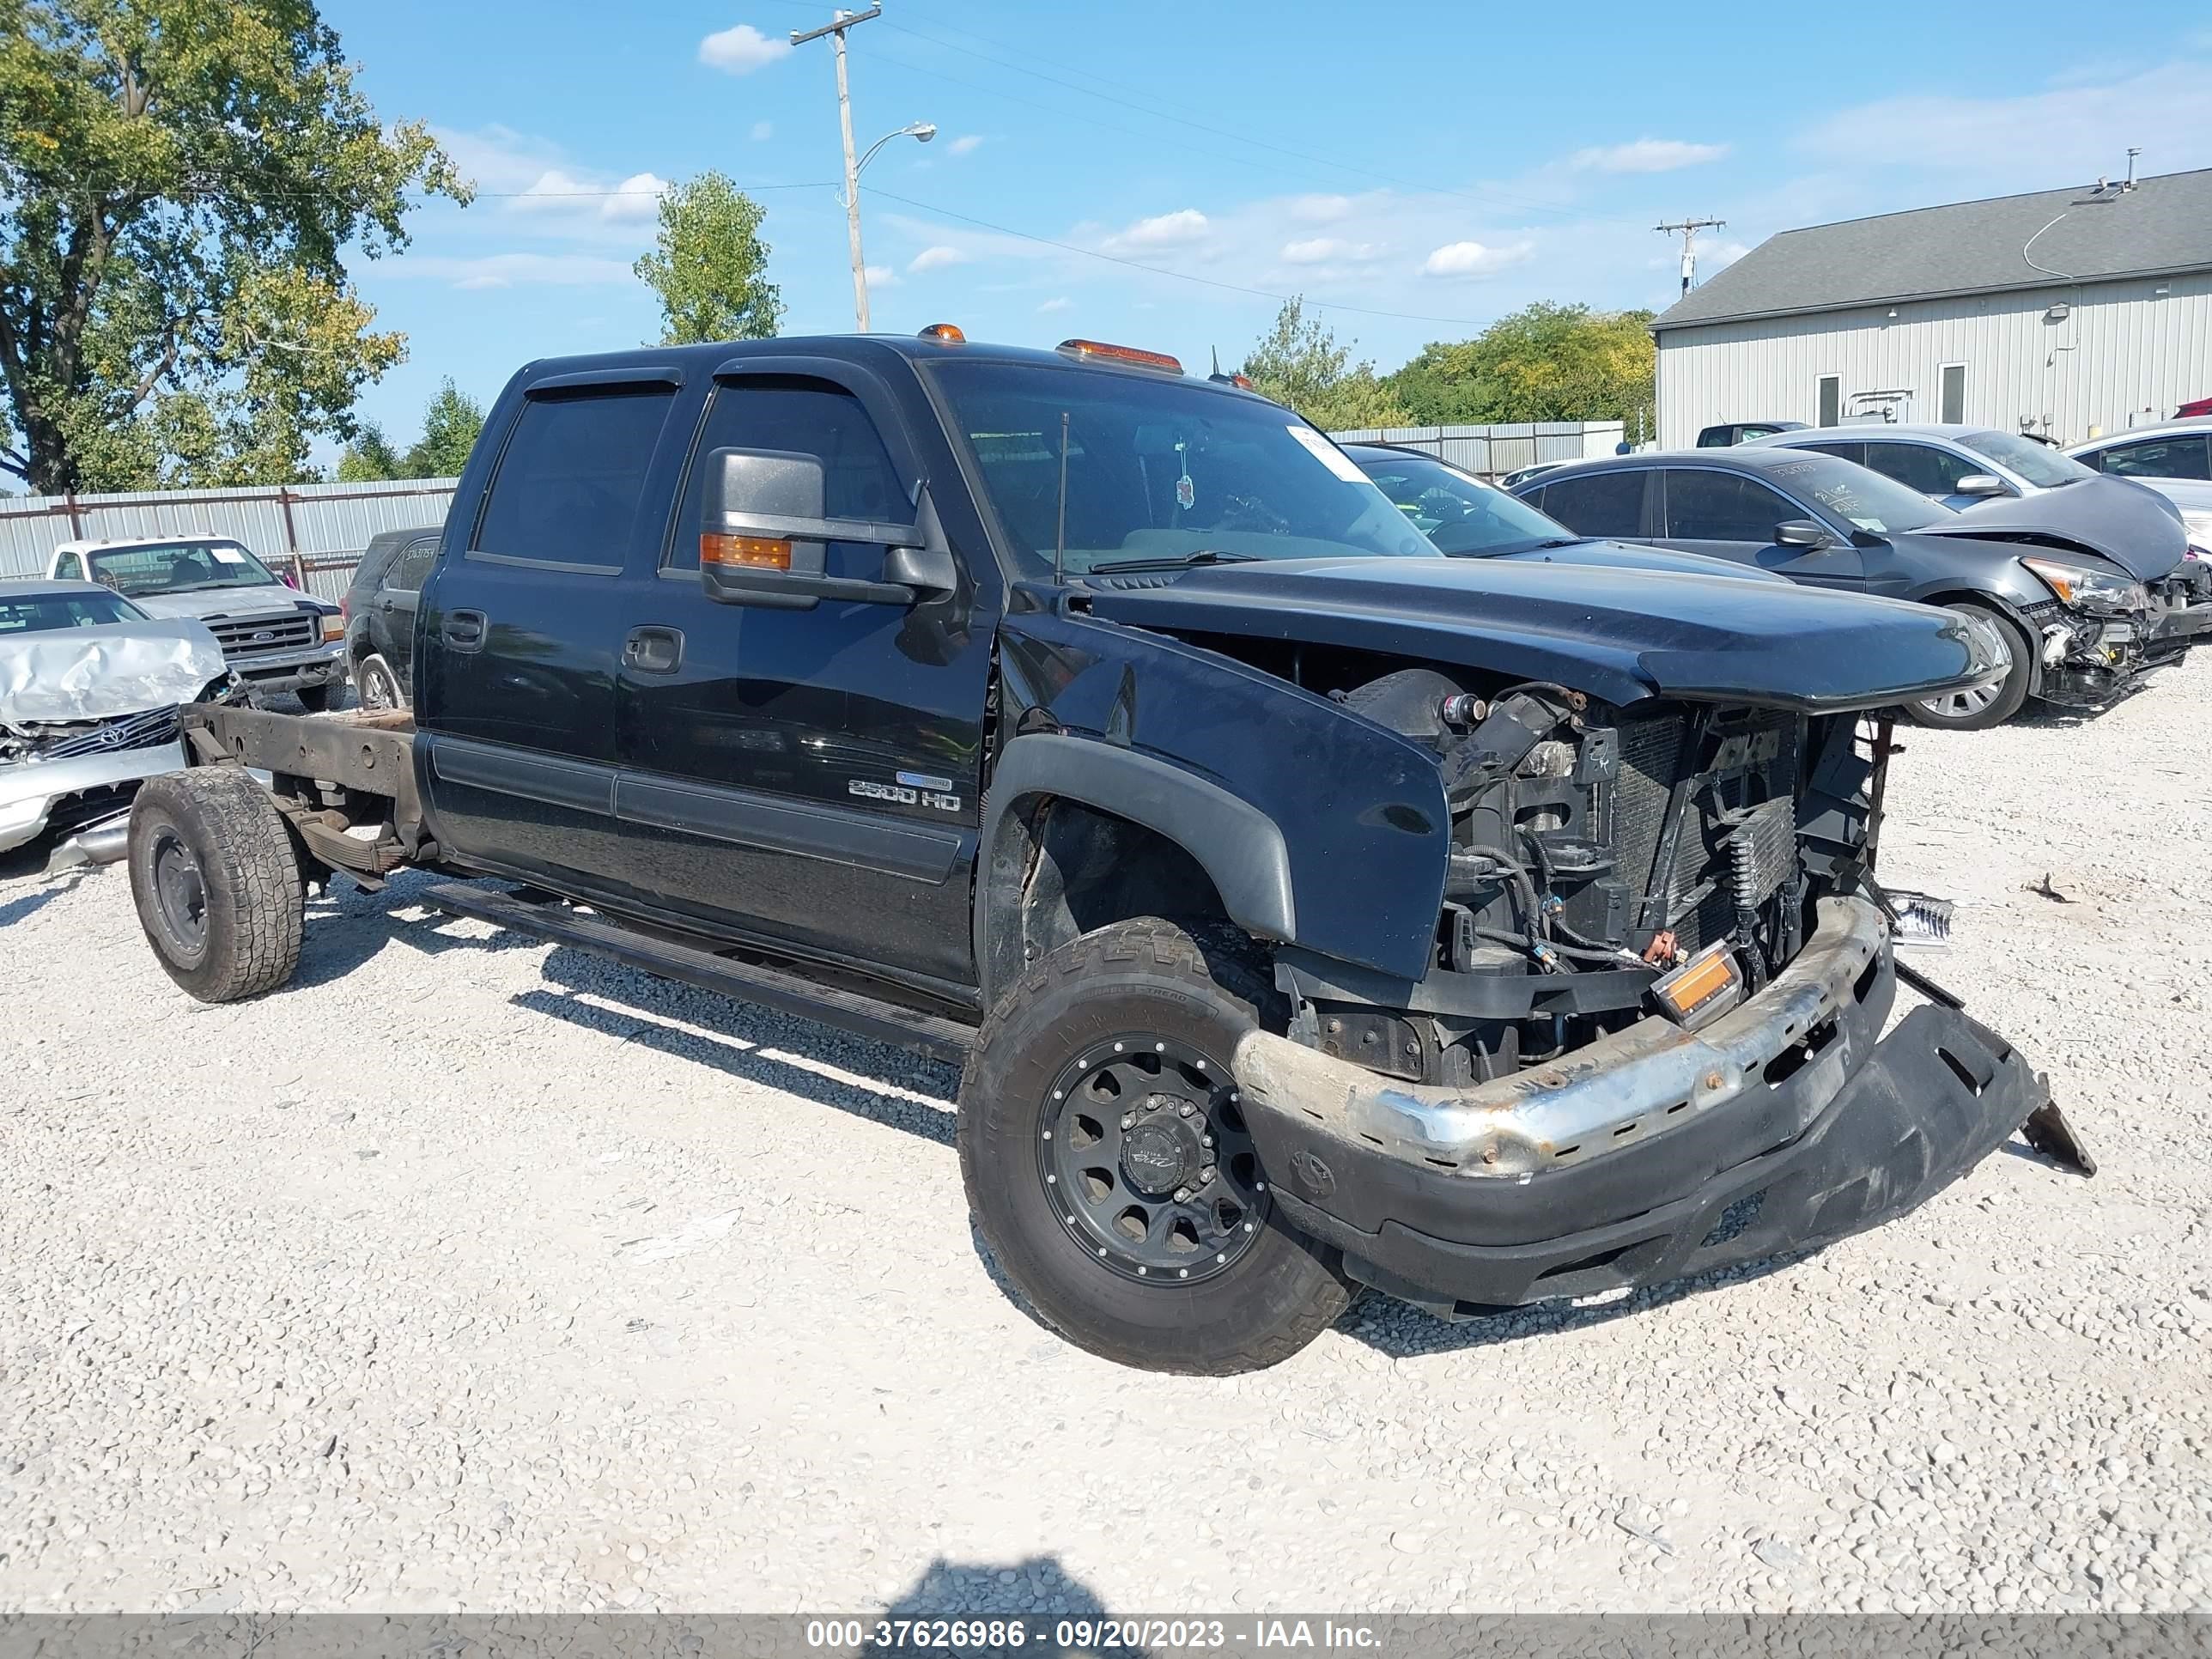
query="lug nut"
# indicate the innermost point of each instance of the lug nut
(1205, 1141)
(1183, 1194)
(1128, 1120)
(1206, 1175)
(1189, 1110)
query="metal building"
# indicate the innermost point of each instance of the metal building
(2063, 313)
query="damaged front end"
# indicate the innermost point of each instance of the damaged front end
(86, 713)
(1651, 1041)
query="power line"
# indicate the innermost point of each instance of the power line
(1161, 271)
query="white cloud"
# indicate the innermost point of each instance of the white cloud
(741, 49)
(967, 144)
(559, 193)
(2046, 139)
(1319, 209)
(1176, 230)
(637, 197)
(1646, 155)
(1327, 250)
(511, 269)
(762, 132)
(935, 258)
(1474, 258)
(1059, 302)
(880, 275)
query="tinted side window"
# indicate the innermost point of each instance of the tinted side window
(1918, 466)
(572, 479)
(1855, 453)
(1605, 504)
(413, 568)
(808, 418)
(2185, 456)
(1720, 506)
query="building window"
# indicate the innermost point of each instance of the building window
(1831, 399)
(1953, 399)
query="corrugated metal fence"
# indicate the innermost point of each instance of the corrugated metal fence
(317, 530)
(1494, 451)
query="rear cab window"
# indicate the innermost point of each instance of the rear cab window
(571, 482)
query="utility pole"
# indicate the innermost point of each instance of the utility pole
(836, 32)
(1687, 229)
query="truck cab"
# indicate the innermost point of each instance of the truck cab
(1306, 909)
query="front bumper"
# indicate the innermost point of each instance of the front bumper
(1650, 1154)
(37, 795)
(289, 671)
(2091, 662)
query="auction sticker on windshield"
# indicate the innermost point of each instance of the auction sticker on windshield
(227, 556)
(1327, 454)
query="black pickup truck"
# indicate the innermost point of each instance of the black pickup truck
(1307, 908)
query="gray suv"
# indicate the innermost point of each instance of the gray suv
(2078, 625)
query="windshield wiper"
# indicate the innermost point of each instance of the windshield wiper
(1204, 555)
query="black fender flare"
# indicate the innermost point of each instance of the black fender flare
(1240, 847)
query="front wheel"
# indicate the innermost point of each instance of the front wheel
(1110, 1168)
(1983, 706)
(378, 685)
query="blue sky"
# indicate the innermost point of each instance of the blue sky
(1424, 170)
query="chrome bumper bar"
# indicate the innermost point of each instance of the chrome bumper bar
(1611, 1096)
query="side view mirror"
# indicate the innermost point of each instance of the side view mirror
(1803, 533)
(1980, 484)
(763, 540)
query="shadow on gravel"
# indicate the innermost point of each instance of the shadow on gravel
(1036, 1587)
(1404, 1332)
(30, 904)
(748, 1043)
(349, 924)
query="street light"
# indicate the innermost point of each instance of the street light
(921, 132)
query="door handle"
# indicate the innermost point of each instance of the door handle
(654, 650)
(464, 630)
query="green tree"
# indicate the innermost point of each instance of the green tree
(450, 426)
(1544, 362)
(369, 457)
(709, 265)
(1298, 363)
(181, 179)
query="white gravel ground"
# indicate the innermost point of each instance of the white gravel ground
(469, 1273)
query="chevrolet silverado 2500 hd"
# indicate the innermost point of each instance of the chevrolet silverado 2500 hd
(1307, 908)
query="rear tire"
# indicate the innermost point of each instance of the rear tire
(1978, 711)
(1237, 1291)
(376, 684)
(314, 698)
(216, 882)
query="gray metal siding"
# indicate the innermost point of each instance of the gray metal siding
(1492, 450)
(2121, 349)
(325, 526)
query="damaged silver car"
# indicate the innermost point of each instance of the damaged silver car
(89, 687)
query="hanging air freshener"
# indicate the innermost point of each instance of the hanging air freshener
(1186, 491)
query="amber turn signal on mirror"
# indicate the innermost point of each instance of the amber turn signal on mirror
(1703, 989)
(744, 552)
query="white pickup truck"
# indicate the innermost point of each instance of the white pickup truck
(274, 637)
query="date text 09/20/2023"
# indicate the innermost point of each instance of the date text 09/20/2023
(1091, 1635)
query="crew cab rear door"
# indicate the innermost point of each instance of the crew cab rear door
(810, 772)
(521, 626)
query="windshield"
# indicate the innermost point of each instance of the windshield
(2039, 464)
(1168, 471)
(1859, 495)
(1459, 513)
(47, 613)
(177, 568)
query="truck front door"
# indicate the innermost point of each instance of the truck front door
(811, 773)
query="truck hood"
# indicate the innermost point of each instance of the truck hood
(1626, 556)
(1620, 634)
(97, 673)
(274, 600)
(2137, 529)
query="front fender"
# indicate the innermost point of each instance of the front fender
(1317, 827)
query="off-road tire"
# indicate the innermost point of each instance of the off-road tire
(1147, 976)
(2010, 695)
(248, 870)
(314, 698)
(375, 672)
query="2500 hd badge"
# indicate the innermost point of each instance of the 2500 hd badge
(911, 790)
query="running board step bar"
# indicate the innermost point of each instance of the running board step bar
(934, 1035)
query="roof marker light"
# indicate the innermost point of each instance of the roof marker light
(1099, 351)
(945, 334)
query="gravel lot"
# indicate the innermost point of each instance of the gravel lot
(469, 1273)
